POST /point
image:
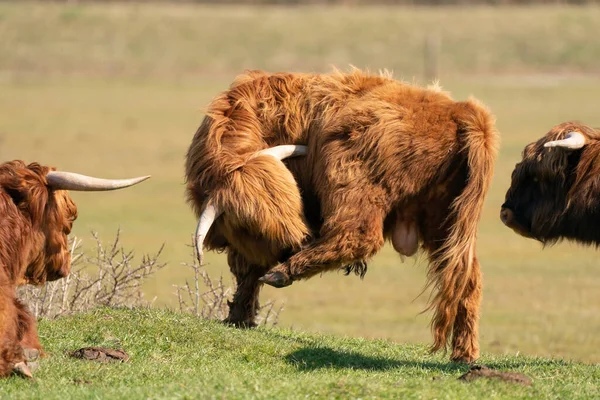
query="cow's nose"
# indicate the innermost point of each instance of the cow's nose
(506, 215)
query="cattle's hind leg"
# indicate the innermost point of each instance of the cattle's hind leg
(347, 238)
(455, 312)
(465, 342)
(244, 306)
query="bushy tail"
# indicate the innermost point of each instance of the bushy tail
(451, 265)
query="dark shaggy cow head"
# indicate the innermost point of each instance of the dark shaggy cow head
(555, 189)
(37, 215)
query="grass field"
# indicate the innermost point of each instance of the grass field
(175, 356)
(117, 90)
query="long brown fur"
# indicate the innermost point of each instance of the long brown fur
(33, 249)
(381, 154)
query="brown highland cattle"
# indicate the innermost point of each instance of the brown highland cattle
(555, 189)
(37, 215)
(384, 160)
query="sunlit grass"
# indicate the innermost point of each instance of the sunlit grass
(179, 356)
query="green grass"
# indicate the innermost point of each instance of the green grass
(178, 356)
(76, 92)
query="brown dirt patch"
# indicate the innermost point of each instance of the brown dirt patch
(100, 354)
(481, 371)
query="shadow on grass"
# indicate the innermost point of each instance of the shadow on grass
(531, 363)
(313, 355)
(312, 358)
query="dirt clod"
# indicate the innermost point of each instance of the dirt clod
(481, 371)
(100, 354)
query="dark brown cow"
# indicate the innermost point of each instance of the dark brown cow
(555, 189)
(36, 217)
(384, 160)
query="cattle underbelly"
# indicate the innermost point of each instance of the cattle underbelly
(405, 237)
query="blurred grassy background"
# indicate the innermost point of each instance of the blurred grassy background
(116, 90)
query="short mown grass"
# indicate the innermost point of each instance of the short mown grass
(178, 356)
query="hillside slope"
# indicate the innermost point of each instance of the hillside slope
(179, 356)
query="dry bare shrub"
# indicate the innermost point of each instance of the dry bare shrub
(115, 281)
(207, 298)
(111, 278)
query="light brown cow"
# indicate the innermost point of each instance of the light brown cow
(383, 160)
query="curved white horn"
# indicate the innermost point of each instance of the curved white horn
(72, 181)
(573, 141)
(283, 151)
(207, 217)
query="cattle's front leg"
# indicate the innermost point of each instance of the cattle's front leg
(27, 328)
(29, 340)
(351, 238)
(12, 357)
(244, 305)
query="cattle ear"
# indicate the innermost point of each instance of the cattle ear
(28, 195)
(17, 196)
(15, 186)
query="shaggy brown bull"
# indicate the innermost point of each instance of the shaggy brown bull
(555, 189)
(384, 160)
(36, 215)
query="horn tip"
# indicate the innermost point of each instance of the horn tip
(199, 255)
(139, 179)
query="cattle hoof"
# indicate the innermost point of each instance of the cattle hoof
(276, 279)
(22, 369)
